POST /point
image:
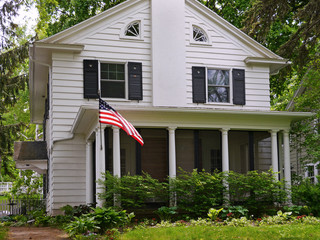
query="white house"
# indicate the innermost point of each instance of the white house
(196, 88)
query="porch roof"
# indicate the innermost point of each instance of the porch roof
(31, 155)
(87, 118)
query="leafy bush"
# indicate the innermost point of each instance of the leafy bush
(214, 213)
(234, 212)
(198, 191)
(98, 221)
(258, 192)
(306, 193)
(166, 213)
(297, 210)
(77, 211)
(133, 191)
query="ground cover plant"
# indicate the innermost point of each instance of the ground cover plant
(3, 232)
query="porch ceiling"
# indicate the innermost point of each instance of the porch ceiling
(87, 117)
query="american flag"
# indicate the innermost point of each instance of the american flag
(110, 116)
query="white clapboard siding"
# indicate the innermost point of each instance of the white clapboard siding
(67, 175)
(224, 52)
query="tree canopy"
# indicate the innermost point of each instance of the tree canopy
(13, 81)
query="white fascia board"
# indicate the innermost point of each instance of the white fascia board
(234, 30)
(93, 109)
(90, 21)
(77, 48)
(275, 64)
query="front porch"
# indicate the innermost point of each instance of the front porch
(188, 139)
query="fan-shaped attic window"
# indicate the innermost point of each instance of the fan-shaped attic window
(199, 35)
(133, 29)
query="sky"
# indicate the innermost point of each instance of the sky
(28, 16)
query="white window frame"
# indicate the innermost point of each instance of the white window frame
(126, 91)
(193, 42)
(141, 30)
(315, 172)
(230, 86)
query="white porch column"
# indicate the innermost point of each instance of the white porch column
(287, 167)
(225, 150)
(89, 172)
(100, 161)
(172, 153)
(116, 152)
(225, 161)
(274, 153)
(172, 162)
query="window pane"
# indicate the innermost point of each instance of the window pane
(133, 30)
(112, 80)
(104, 66)
(199, 35)
(218, 77)
(112, 89)
(104, 75)
(218, 94)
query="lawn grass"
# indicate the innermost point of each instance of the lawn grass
(293, 231)
(3, 232)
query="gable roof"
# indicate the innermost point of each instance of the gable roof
(59, 37)
(90, 21)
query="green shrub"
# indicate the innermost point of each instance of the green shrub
(98, 221)
(133, 191)
(166, 213)
(258, 192)
(198, 191)
(214, 213)
(234, 212)
(297, 210)
(306, 193)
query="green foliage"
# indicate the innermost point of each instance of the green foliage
(132, 191)
(297, 210)
(56, 16)
(198, 191)
(258, 192)
(77, 210)
(166, 213)
(81, 225)
(234, 212)
(98, 221)
(307, 194)
(27, 186)
(214, 213)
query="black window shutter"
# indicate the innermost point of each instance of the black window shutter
(135, 80)
(199, 84)
(90, 78)
(239, 94)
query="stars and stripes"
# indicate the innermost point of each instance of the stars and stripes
(110, 116)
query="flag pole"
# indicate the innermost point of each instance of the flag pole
(100, 123)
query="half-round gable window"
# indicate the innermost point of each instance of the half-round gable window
(199, 35)
(133, 29)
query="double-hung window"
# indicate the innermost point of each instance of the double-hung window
(211, 85)
(218, 82)
(113, 82)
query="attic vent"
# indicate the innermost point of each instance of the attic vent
(199, 35)
(133, 29)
